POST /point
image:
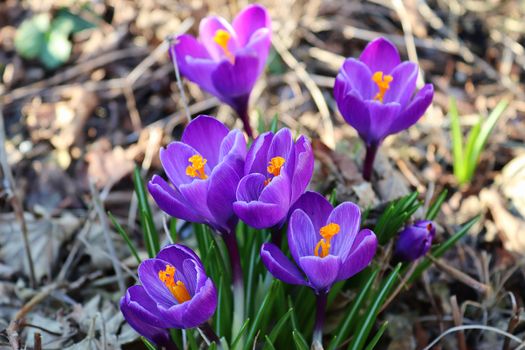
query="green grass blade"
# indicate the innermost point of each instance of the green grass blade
(433, 210)
(268, 344)
(151, 236)
(300, 342)
(438, 251)
(279, 325)
(344, 328)
(148, 344)
(173, 230)
(265, 306)
(124, 235)
(483, 136)
(274, 126)
(457, 142)
(243, 329)
(190, 335)
(370, 316)
(378, 336)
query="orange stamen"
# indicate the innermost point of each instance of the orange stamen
(327, 232)
(222, 38)
(177, 289)
(196, 169)
(383, 83)
(274, 168)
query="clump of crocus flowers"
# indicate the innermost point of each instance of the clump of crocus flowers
(216, 180)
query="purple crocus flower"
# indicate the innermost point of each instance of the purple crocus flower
(375, 95)
(226, 60)
(325, 243)
(415, 240)
(204, 169)
(277, 171)
(175, 293)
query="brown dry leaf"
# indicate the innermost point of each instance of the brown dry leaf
(107, 165)
(512, 182)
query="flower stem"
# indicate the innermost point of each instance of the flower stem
(237, 279)
(368, 164)
(246, 123)
(210, 334)
(319, 317)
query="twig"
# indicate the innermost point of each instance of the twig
(179, 80)
(99, 207)
(9, 185)
(458, 320)
(513, 321)
(399, 287)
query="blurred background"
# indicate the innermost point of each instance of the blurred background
(87, 91)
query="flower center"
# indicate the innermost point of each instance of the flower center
(177, 289)
(322, 248)
(383, 83)
(274, 168)
(222, 38)
(196, 167)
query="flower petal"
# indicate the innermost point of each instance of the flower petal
(237, 79)
(302, 237)
(321, 272)
(170, 201)
(250, 188)
(380, 55)
(303, 167)
(415, 110)
(281, 145)
(233, 150)
(249, 20)
(403, 84)
(279, 265)
(175, 160)
(259, 44)
(195, 194)
(258, 214)
(205, 134)
(362, 253)
(382, 117)
(278, 192)
(208, 28)
(201, 307)
(256, 159)
(348, 216)
(354, 75)
(175, 254)
(222, 193)
(316, 207)
(149, 277)
(199, 71)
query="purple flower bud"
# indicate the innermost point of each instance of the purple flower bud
(226, 60)
(326, 244)
(175, 293)
(277, 171)
(375, 94)
(204, 169)
(415, 240)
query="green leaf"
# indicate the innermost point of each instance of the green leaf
(438, 251)
(433, 210)
(190, 335)
(268, 344)
(457, 142)
(30, 37)
(148, 344)
(243, 329)
(395, 216)
(370, 315)
(69, 23)
(151, 236)
(124, 235)
(333, 197)
(56, 50)
(279, 325)
(300, 342)
(378, 336)
(265, 306)
(344, 328)
(274, 126)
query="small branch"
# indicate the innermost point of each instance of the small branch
(458, 320)
(403, 283)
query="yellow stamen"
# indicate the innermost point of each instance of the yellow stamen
(327, 232)
(196, 169)
(177, 289)
(274, 168)
(222, 38)
(383, 83)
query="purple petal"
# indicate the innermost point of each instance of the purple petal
(250, 188)
(278, 192)
(302, 237)
(256, 159)
(201, 307)
(141, 314)
(403, 84)
(175, 254)
(175, 160)
(195, 194)
(221, 194)
(199, 71)
(355, 112)
(354, 75)
(380, 55)
(415, 109)
(234, 80)
(233, 147)
(258, 214)
(415, 240)
(279, 265)
(149, 277)
(316, 207)
(281, 145)
(348, 216)
(249, 20)
(170, 201)
(205, 134)
(362, 253)
(207, 30)
(259, 44)
(382, 117)
(303, 167)
(321, 272)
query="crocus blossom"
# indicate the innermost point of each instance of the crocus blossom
(325, 242)
(277, 171)
(375, 94)
(226, 60)
(415, 240)
(204, 169)
(174, 293)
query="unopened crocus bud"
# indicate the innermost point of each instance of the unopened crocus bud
(415, 240)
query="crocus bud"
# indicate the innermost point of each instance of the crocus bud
(415, 240)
